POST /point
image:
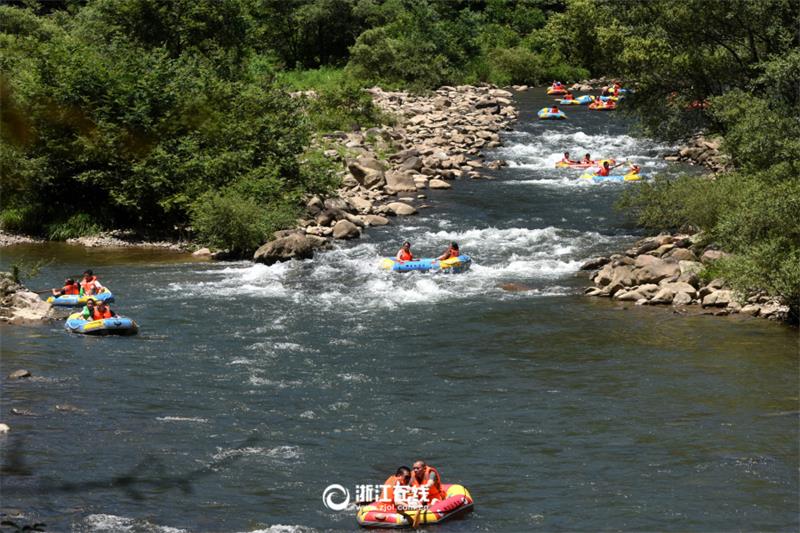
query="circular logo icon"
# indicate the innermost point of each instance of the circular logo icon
(335, 492)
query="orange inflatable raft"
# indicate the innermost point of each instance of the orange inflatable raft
(385, 515)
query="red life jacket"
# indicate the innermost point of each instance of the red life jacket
(405, 256)
(435, 490)
(603, 171)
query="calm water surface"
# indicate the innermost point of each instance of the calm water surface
(250, 388)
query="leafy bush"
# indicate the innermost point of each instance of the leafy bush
(78, 225)
(232, 221)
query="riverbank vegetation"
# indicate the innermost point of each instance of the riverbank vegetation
(175, 116)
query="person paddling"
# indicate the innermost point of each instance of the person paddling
(450, 253)
(606, 169)
(404, 254)
(70, 287)
(587, 159)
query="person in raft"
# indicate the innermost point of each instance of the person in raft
(426, 484)
(70, 287)
(101, 310)
(566, 158)
(87, 313)
(451, 252)
(605, 170)
(587, 159)
(568, 96)
(404, 254)
(554, 110)
(396, 490)
(90, 285)
(635, 169)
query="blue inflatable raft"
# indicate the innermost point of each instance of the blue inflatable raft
(74, 300)
(546, 114)
(581, 100)
(454, 265)
(612, 177)
(118, 325)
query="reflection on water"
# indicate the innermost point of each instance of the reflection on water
(252, 388)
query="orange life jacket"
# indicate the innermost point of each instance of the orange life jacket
(554, 110)
(89, 285)
(405, 256)
(70, 289)
(569, 97)
(387, 497)
(435, 490)
(98, 315)
(603, 171)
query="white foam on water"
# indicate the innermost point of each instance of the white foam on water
(113, 523)
(281, 528)
(284, 453)
(182, 419)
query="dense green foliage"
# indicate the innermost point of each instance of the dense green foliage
(744, 67)
(165, 115)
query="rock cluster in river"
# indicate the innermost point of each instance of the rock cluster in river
(386, 170)
(18, 305)
(700, 150)
(665, 270)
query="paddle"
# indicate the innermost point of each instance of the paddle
(415, 523)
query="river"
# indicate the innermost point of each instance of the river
(250, 389)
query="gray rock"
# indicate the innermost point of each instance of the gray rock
(401, 209)
(681, 298)
(622, 277)
(682, 254)
(658, 270)
(718, 299)
(439, 184)
(375, 220)
(412, 163)
(19, 374)
(344, 229)
(709, 256)
(663, 296)
(369, 178)
(290, 247)
(750, 309)
(400, 182)
(594, 263)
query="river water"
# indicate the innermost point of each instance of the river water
(250, 389)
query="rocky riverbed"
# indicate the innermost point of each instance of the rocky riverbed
(18, 305)
(386, 170)
(668, 270)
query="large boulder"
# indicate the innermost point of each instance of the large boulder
(412, 163)
(400, 182)
(361, 204)
(634, 295)
(718, 299)
(594, 263)
(438, 184)
(681, 254)
(295, 246)
(401, 209)
(367, 177)
(622, 277)
(344, 229)
(658, 270)
(375, 220)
